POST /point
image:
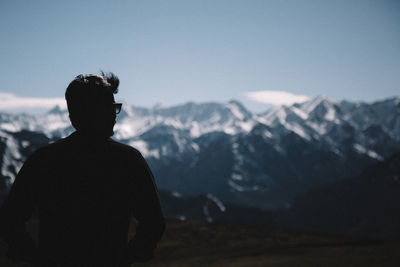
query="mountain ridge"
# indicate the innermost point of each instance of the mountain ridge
(258, 160)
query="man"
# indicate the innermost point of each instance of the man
(85, 189)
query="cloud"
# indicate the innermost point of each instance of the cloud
(275, 97)
(10, 101)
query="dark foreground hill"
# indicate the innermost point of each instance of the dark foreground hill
(193, 243)
(366, 205)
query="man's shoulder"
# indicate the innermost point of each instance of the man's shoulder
(124, 148)
(53, 147)
(65, 146)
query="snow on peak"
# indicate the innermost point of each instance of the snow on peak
(312, 104)
(57, 110)
(235, 109)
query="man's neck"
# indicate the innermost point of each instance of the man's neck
(91, 139)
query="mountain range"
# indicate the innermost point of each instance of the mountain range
(223, 150)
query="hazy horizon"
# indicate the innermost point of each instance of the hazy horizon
(10, 103)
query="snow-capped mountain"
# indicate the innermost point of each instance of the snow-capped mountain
(262, 160)
(196, 119)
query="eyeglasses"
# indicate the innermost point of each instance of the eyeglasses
(117, 107)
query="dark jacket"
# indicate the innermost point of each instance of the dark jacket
(85, 193)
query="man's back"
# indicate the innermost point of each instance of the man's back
(86, 192)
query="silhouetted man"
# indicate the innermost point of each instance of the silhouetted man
(85, 189)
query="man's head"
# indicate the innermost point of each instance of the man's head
(91, 105)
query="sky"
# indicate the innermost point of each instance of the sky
(168, 52)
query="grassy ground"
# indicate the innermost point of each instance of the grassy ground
(205, 244)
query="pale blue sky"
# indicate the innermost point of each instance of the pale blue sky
(171, 52)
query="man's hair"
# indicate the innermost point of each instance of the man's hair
(86, 92)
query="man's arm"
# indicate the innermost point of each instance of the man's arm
(147, 211)
(15, 211)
